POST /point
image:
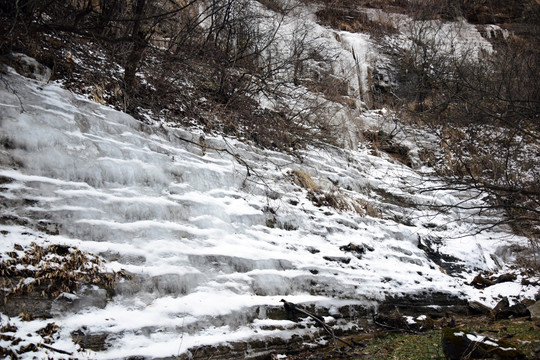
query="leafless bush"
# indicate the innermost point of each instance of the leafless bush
(484, 109)
(203, 62)
(348, 17)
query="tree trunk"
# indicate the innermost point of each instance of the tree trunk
(139, 45)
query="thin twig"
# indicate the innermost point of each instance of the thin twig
(55, 349)
(14, 93)
(320, 321)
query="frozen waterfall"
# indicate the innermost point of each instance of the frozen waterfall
(211, 246)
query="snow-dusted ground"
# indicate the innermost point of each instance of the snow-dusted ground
(216, 233)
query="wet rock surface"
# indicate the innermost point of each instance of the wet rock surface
(87, 296)
(32, 304)
(431, 245)
(434, 304)
(90, 341)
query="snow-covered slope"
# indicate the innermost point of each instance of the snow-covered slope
(215, 232)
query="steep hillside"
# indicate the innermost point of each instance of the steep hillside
(204, 235)
(166, 215)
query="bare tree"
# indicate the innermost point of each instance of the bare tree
(483, 106)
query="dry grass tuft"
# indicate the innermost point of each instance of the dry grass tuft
(302, 179)
(335, 198)
(49, 271)
(365, 208)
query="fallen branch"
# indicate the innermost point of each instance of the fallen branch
(55, 349)
(203, 146)
(291, 308)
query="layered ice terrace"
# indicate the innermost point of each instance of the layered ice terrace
(215, 232)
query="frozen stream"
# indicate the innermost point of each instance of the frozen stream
(214, 235)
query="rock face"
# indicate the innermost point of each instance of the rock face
(458, 345)
(448, 263)
(534, 310)
(88, 341)
(52, 280)
(433, 304)
(35, 305)
(191, 230)
(31, 304)
(88, 296)
(30, 68)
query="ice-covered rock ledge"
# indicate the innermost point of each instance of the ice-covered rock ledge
(205, 238)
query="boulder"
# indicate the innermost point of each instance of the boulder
(506, 278)
(357, 250)
(512, 312)
(481, 282)
(392, 320)
(458, 344)
(504, 303)
(534, 310)
(477, 308)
